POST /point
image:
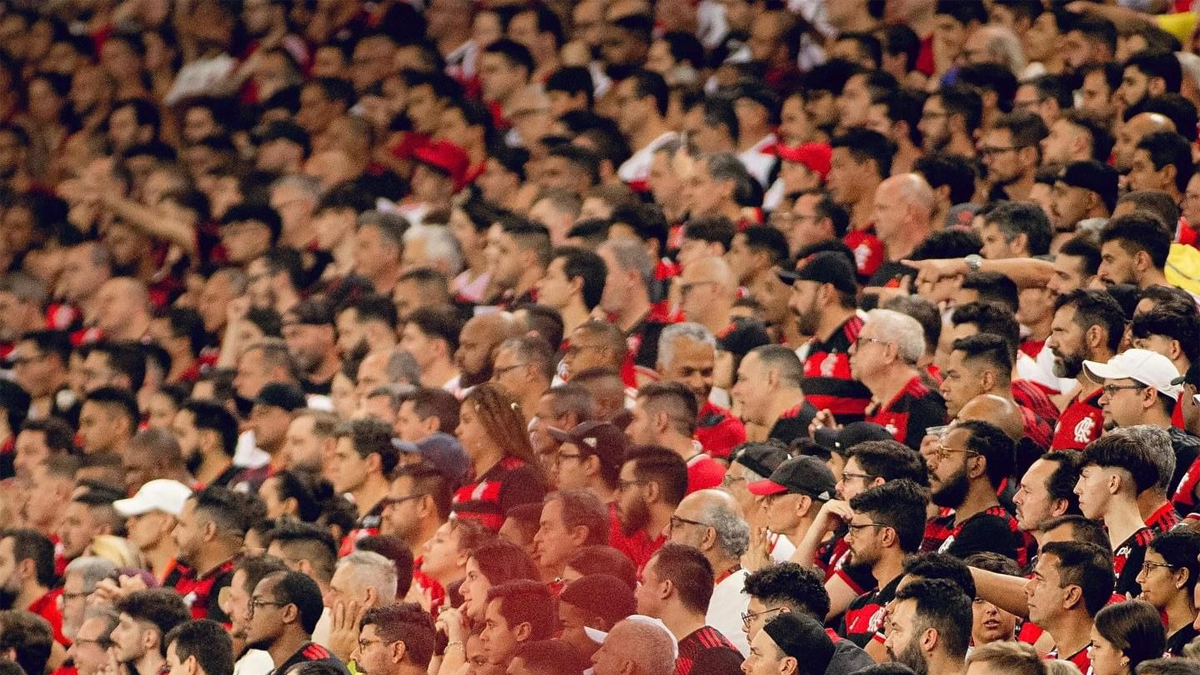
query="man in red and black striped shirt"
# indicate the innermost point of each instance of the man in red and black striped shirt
(1071, 582)
(823, 300)
(965, 470)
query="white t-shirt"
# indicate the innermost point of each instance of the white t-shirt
(726, 607)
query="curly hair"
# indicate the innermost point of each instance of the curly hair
(501, 416)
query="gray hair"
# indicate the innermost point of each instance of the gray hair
(1003, 44)
(25, 287)
(106, 612)
(91, 569)
(1156, 443)
(902, 329)
(402, 368)
(688, 330)
(632, 255)
(440, 245)
(309, 186)
(372, 570)
(723, 166)
(733, 533)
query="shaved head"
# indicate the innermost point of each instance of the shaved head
(996, 410)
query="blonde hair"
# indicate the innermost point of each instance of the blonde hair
(1017, 658)
(116, 550)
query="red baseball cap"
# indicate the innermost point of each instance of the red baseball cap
(446, 158)
(815, 156)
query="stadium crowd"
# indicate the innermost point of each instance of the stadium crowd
(627, 337)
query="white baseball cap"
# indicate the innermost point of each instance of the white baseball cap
(162, 494)
(1142, 365)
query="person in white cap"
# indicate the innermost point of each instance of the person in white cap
(151, 515)
(1139, 389)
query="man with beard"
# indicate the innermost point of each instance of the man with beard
(966, 468)
(664, 415)
(1088, 325)
(368, 324)
(150, 516)
(383, 628)
(146, 617)
(1010, 150)
(950, 120)
(207, 433)
(823, 300)
(1134, 249)
(27, 576)
(312, 342)
(652, 482)
(886, 524)
(929, 627)
(283, 611)
(518, 257)
(209, 538)
(477, 344)
(273, 279)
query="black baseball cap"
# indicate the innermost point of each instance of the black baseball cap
(602, 439)
(826, 267)
(1091, 175)
(742, 335)
(802, 637)
(804, 475)
(761, 458)
(841, 440)
(279, 395)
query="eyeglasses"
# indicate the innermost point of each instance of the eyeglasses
(869, 340)
(846, 475)
(1111, 389)
(363, 644)
(747, 616)
(853, 529)
(1147, 566)
(676, 521)
(943, 451)
(256, 604)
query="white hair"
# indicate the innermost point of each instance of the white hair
(687, 330)
(902, 329)
(1003, 44)
(440, 246)
(371, 570)
(650, 647)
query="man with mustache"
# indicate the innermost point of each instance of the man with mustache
(966, 468)
(929, 627)
(652, 482)
(1087, 326)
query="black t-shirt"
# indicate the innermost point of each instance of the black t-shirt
(1127, 562)
(793, 423)
(990, 531)
(1180, 639)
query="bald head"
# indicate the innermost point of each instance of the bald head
(711, 500)
(710, 269)
(123, 305)
(995, 410)
(910, 190)
(1133, 131)
(478, 341)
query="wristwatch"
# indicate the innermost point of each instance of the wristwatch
(974, 262)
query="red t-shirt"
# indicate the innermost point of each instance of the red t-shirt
(704, 472)
(1080, 423)
(47, 608)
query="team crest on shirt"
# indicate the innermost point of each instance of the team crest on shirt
(1083, 430)
(876, 622)
(828, 364)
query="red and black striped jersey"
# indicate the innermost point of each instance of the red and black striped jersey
(1163, 519)
(707, 652)
(1032, 396)
(793, 423)
(832, 557)
(910, 412)
(200, 593)
(1127, 562)
(507, 484)
(864, 618)
(992, 530)
(828, 384)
